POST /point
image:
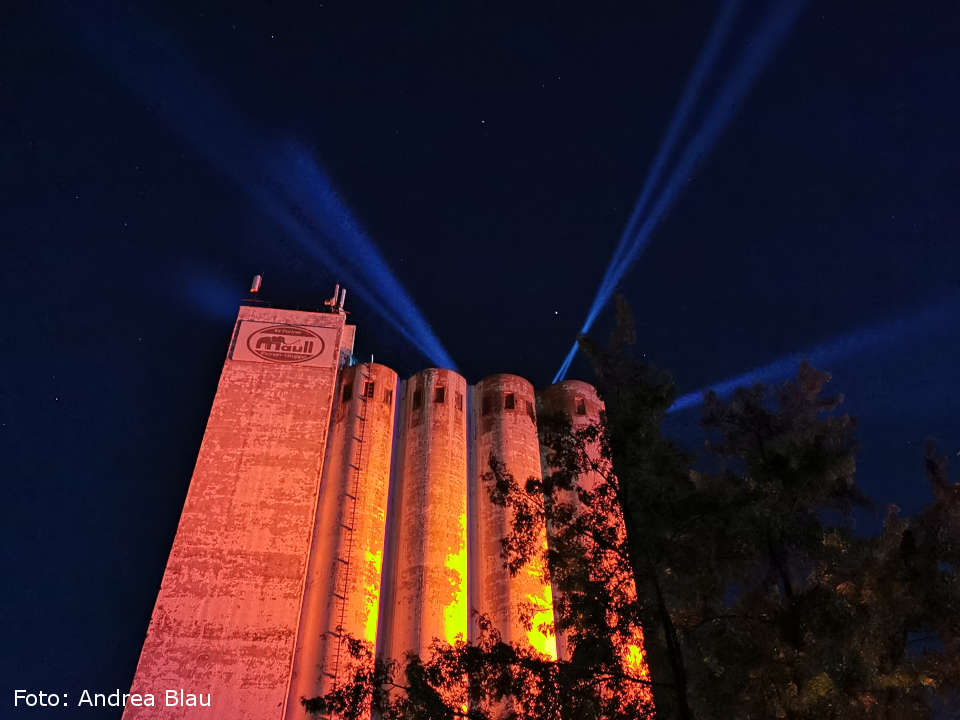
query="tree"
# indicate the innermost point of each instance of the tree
(753, 604)
(755, 596)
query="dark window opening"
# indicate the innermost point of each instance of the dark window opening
(509, 401)
(417, 398)
(530, 411)
(368, 389)
(488, 402)
(581, 406)
(388, 396)
(347, 392)
(439, 394)
(459, 400)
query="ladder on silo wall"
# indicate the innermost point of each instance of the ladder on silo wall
(350, 496)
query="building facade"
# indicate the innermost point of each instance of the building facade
(332, 498)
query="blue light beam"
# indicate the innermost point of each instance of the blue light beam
(876, 338)
(282, 180)
(760, 51)
(691, 91)
(305, 200)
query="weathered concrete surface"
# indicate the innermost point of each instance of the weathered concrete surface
(428, 587)
(504, 425)
(343, 582)
(226, 615)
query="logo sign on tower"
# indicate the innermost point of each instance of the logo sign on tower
(285, 344)
(288, 344)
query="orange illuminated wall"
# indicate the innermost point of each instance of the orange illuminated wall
(342, 594)
(331, 499)
(428, 572)
(226, 615)
(505, 426)
(579, 402)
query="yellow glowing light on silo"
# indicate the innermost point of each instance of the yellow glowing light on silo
(635, 665)
(372, 595)
(455, 614)
(634, 660)
(545, 643)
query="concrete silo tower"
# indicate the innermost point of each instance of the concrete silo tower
(342, 592)
(505, 426)
(579, 402)
(427, 572)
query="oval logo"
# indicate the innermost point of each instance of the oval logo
(285, 344)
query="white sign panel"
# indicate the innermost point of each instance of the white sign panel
(285, 344)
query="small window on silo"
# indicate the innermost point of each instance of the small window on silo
(509, 401)
(368, 389)
(388, 396)
(530, 411)
(459, 400)
(439, 394)
(581, 406)
(417, 398)
(347, 392)
(489, 400)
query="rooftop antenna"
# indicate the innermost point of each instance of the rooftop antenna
(254, 296)
(331, 302)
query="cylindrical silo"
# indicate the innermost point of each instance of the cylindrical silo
(579, 402)
(428, 518)
(342, 592)
(505, 426)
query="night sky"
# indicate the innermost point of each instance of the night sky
(493, 154)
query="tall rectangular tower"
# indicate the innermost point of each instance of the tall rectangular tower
(227, 613)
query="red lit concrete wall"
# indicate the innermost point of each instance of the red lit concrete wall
(226, 615)
(343, 583)
(428, 583)
(504, 424)
(568, 397)
(579, 401)
(286, 539)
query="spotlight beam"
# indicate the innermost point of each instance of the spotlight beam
(307, 192)
(759, 53)
(153, 68)
(758, 56)
(681, 113)
(876, 338)
(691, 91)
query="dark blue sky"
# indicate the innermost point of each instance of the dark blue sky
(494, 156)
